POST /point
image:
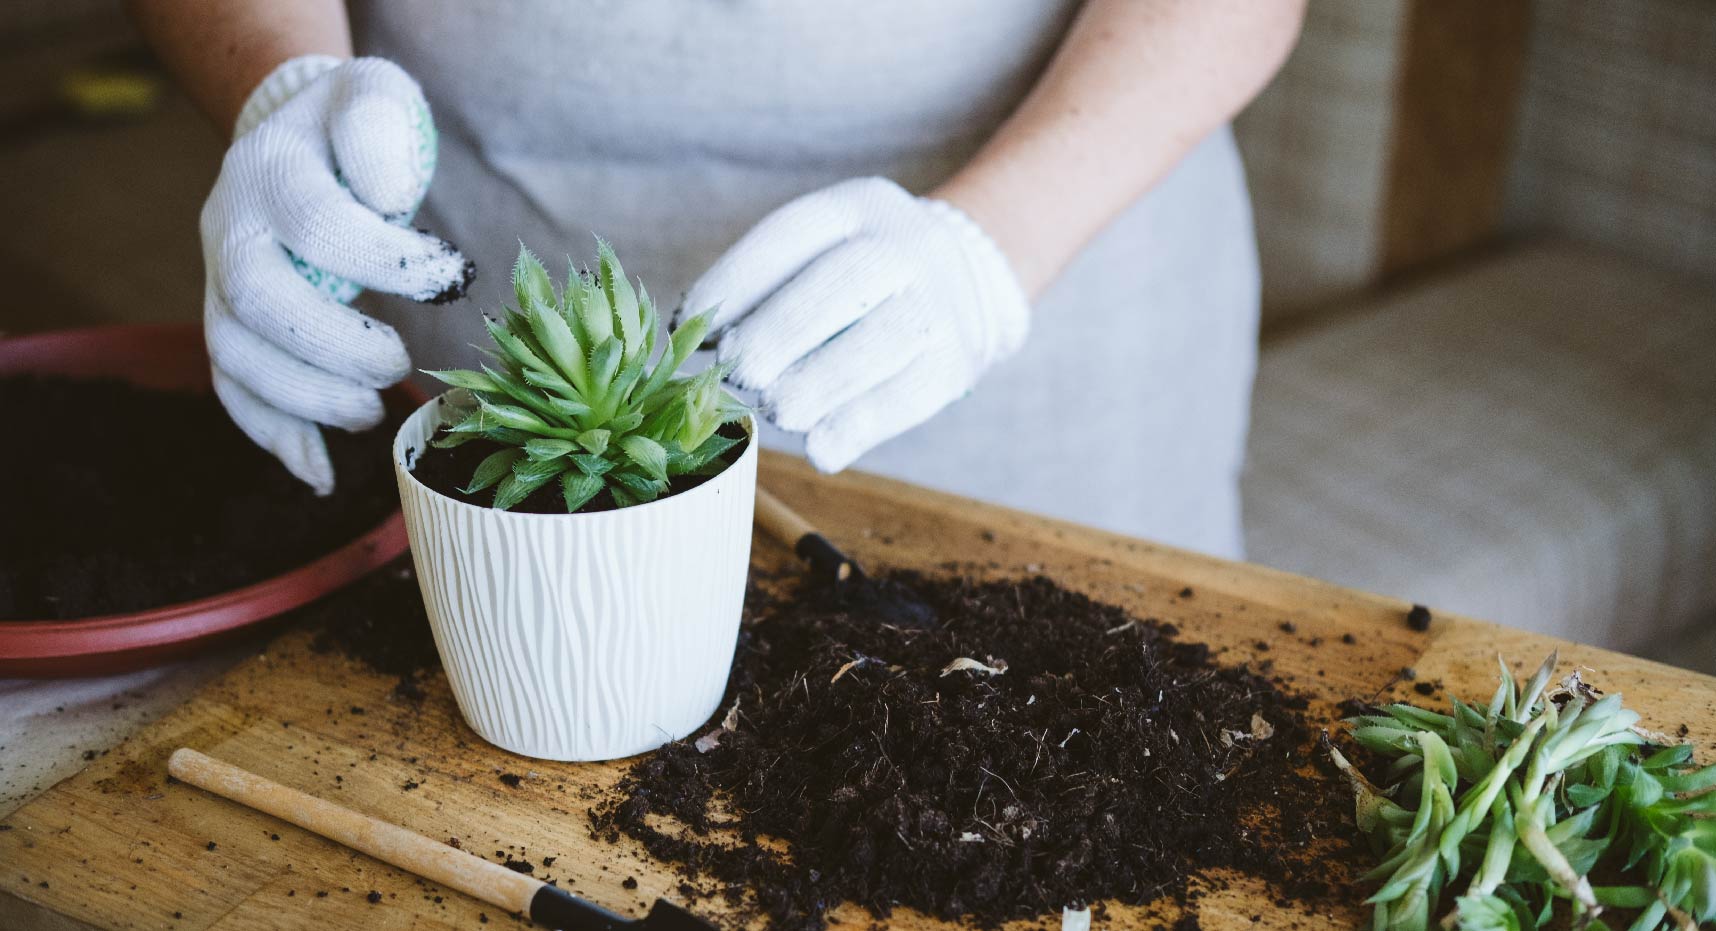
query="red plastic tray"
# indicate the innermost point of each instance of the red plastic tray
(166, 356)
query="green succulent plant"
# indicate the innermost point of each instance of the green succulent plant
(1513, 808)
(572, 396)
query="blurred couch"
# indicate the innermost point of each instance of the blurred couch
(1488, 231)
(1489, 370)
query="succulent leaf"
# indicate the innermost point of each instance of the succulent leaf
(514, 349)
(648, 454)
(596, 441)
(515, 488)
(592, 465)
(578, 488)
(545, 448)
(560, 345)
(532, 469)
(595, 316)
(449, 439)
(575, 412)
(530, 281)
(621, 297)
(463, 378)
(508, 415)
(492, 469)
(642, 488)
(604, 363)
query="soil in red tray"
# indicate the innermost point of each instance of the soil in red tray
(120, 499)
(1029, 750)
(448, 470)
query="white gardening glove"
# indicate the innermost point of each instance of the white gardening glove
(859, 311)
(329, 159)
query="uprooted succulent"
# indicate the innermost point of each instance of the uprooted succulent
(573, 398)
(1548, 804)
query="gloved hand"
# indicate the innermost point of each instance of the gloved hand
(858, 311)
(329, 159)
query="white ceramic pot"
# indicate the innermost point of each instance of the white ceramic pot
(581, 636)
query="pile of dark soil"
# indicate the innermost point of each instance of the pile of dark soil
(448, 470)
(122, 499)
(380, 622)
(1109, 761)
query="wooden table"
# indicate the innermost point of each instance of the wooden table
(118, 847)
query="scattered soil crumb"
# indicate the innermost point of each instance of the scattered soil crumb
(1418, 618)
(511, 779)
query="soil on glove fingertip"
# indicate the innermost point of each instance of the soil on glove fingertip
(1027, 750)
(125, 498)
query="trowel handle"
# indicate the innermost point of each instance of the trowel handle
(785, 525)
(397, 846)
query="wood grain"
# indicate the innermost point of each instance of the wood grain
(118, 846)
(383, 840)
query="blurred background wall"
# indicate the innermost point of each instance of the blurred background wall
(1488, 232)
(1617, 129)
(101, 215)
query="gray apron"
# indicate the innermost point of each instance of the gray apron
(670, 126)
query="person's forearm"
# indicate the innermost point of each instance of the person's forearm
(1135, 85)
(219, 50)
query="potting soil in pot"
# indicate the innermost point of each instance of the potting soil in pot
(1028, 750)
(120, 499)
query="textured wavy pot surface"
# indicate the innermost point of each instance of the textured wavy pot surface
(582, 636)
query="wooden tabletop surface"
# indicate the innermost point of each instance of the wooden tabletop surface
(116, 846)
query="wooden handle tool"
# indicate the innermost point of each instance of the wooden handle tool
(785, 525)
(408, 850)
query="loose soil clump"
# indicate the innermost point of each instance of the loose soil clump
(126, 498)
(1028, 749)
(379, 621)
